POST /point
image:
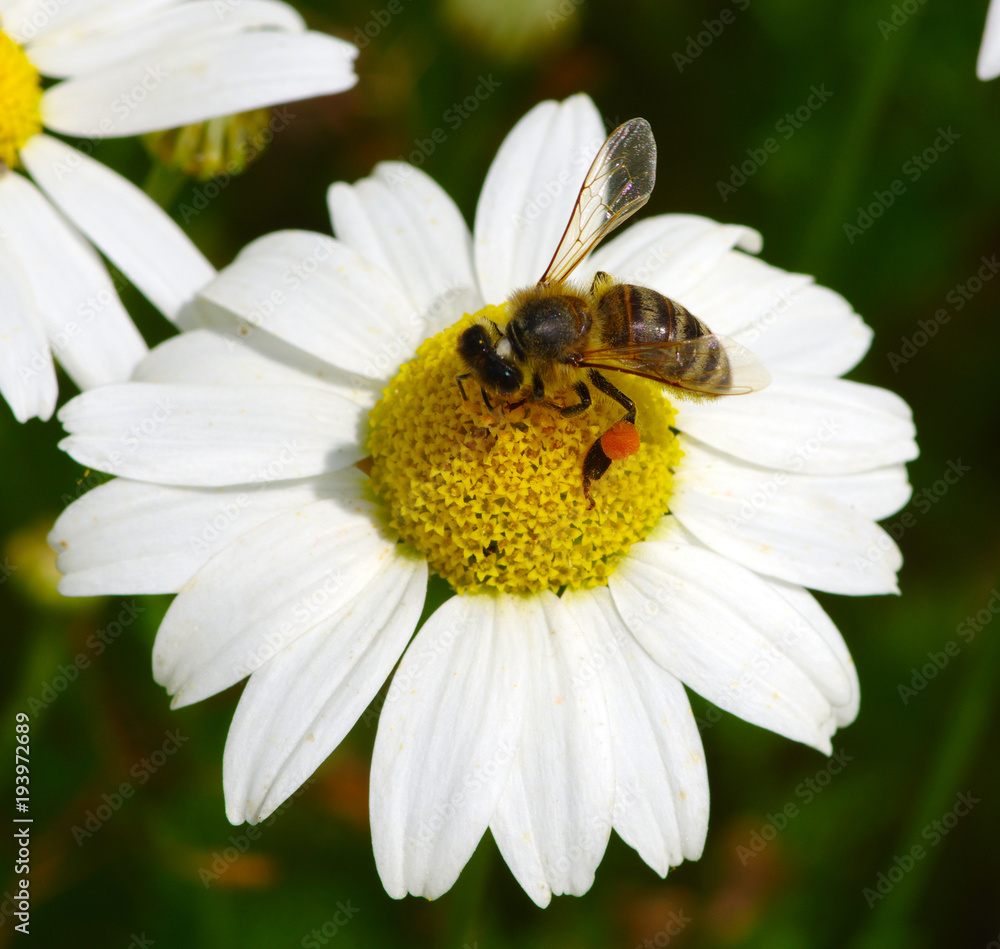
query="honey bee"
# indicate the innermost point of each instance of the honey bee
(560, 338)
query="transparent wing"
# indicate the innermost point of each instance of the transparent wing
(710, 364)
(619, 182)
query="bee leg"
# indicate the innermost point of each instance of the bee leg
(609, 390)
(537, 388)
(597, 462)
(595, 466)
(461, 388)
(486, 399)
(568, 411)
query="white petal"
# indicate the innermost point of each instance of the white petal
(723, 632)
(69, 52)
(319, 295)
(661, 783)
(27, 375)
(263, 591)
(192, 82)
(988, 65)
(210, 436)
(845, 708)
(529, 192)
(807, 424)
(805, 641)
(553, 819)
(225, 358)
(877, 494)
(29, 20)
(403, 222)
(139, 238)
(132, 537)
(781, 525)
(297, 708)
(88, 329)
(813, 331)
(446, 739)
(783, 318)
(670, 253)
(740, 291)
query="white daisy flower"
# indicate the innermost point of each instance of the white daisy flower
(125, 68)
(546, 702)
(988, 65)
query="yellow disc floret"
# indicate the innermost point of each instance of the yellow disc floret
(495, 500)
(20, 93)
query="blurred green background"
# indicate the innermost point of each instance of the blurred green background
(158, 872)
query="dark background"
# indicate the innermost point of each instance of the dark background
(146, 874)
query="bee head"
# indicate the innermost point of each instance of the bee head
(491, 368)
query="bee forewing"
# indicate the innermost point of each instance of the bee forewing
(710, 364)
(748, 372)
(740, 372)
(618, 183)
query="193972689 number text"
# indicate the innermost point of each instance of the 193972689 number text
(22, 823)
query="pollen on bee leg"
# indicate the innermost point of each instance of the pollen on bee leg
(620, 441)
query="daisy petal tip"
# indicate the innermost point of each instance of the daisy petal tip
(183, 696)
(396, 892)
(845, 716)
(41, 408)
(236, 815)
(751, 241)
(65, 415)
(541, 896)
(390, 875)
(337, 190)
(693, 849)
(258, 813)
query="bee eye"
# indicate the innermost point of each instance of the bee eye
(482, 357)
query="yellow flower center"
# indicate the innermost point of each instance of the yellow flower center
(20, 93)
(221, 146)
(495, 501)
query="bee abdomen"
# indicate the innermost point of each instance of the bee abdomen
(638, 316)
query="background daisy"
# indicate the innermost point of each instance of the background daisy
(170, 865)
(122, 69)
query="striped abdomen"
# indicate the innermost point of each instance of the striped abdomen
(658, 335)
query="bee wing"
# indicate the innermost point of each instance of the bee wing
(709, 364)
(619, 182)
